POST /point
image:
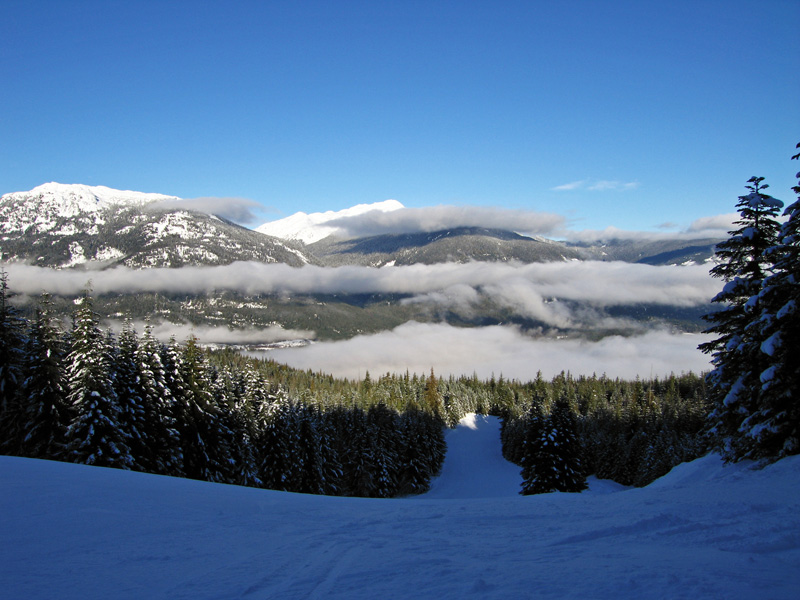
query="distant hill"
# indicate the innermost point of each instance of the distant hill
(462, 244)
(667, 251)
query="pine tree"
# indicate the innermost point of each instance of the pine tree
(205, 436)
(311, 475)
(47, 414)
(433, 400)
(382, 433)
(774, 427)
(534, 423)
(94, 437)
(736, 354)
(555, 465)
(232, 396)
(279, 457)
(128, 387)
(162, 453)
(12, 342)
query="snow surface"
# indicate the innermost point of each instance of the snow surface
(310, 228)
(703, 531)
(69, 197)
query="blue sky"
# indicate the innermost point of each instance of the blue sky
(626, 114)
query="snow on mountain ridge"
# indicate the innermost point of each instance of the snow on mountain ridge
(70, 197)
(52, 200)
(310, 228)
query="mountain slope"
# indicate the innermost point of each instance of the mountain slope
(703, 531)
(58, 225)
(460, 244)
(665, 251)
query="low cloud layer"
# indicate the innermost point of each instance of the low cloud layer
(438, 218)
(218, 335)
(498, 350)
(531, 289)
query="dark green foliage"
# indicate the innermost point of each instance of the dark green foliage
(278, 442)
(43, 391)
(160, 448)
(736, 353)
(11, 355)
(774, 427)
(754, 383)
(129, 390)
(206, 440)
(552, 459)
(528, 453)
(95, 436)
(630, 432)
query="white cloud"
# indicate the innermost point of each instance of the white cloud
(718, 225)
(605, 185)
(497, 350)
(573, 185)
(602, 185)
(438, 218)
(597, 283)
(714, 227)
(218, 335)
(238, 210)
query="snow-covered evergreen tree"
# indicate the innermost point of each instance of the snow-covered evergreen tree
(162, 453)
(311, 476)
(419, 448)
(43, 390)
(329, 458)
(382, 434)
(12, 341)
(94, 437)
(744, 263)
(280, 460)
(774, 427)
(128, 387)
(556, 463)
(238, 415)
(205, 436)
(533, 425)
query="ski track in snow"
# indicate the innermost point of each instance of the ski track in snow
(703, 531)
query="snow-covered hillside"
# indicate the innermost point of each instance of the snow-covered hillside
(703, 531)
(72, 199)
(310, 228)
(66, 225)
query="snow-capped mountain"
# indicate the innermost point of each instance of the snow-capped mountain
(310, 228)
(62, 225)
